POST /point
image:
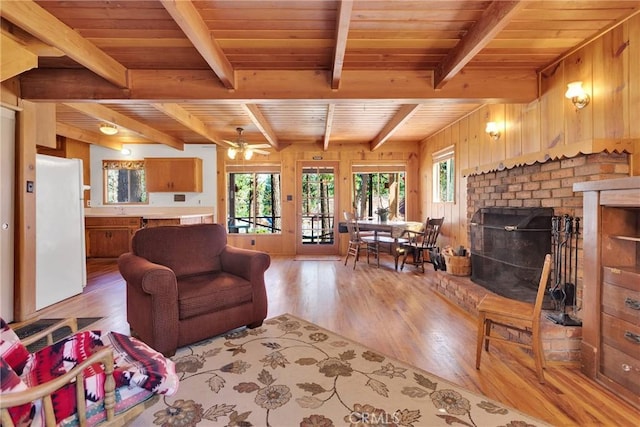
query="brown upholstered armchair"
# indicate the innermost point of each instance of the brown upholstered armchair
(185, 284)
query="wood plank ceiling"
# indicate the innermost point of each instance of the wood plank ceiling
(317, 72)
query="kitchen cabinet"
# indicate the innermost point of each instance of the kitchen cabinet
(611, 284)
(109, 237)
(181, 220)
(171, 174)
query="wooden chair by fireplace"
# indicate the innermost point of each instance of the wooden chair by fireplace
(515, 315)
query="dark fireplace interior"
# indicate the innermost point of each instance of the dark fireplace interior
(508, 246)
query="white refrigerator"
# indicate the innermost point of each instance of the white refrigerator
(60, 243)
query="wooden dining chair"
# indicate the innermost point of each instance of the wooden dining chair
(421, 241)
(356, 241)
(514, 315)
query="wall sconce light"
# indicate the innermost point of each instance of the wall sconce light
(492, 130)
(577, 95)
(108, 129)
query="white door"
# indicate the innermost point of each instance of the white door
(7, 186)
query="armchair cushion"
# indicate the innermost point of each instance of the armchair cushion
(203, 293)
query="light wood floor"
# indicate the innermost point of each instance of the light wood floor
(397, 314)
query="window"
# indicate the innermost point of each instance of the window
(379, 188)
(124, 182)
(254, 201)
(443, 175)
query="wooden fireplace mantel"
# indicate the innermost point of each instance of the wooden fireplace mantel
(591, 146)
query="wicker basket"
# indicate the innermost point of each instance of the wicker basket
(458, 265)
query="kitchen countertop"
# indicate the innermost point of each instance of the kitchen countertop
(173, 216)
(157, 213)
(146, 216)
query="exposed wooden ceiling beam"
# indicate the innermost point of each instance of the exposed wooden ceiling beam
(331, 108)
(493, 20)
(498, 85)
(15, 58)
(404, 113)
(37, 21)
(108, 115)
(189, 20)
(34, 45)
(179, 114)
(342, 31)
(88, 137)
(261, 123)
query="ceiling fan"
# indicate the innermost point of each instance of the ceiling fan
(240, 146)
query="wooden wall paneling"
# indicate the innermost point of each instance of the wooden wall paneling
(25, 220)
(413, 188)
(513, 130)
(463, 160)
(9, 90)
(552, 108)
(81, 150)
(426, 148)
(473, 143)
(476, 138)
(633, 52)
(289, 207)
(578, 124)
(633, 31)
(608, 83)
(531, 128)
(46, 128)
(479, 123)
(453, 229)
(498, 114)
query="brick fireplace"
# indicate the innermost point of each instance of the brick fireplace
(545, 185)
(540, 185)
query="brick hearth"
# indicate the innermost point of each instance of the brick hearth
(560, 343)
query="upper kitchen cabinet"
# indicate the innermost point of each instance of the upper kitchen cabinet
(170, 174)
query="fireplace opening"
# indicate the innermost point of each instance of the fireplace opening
(508, 246)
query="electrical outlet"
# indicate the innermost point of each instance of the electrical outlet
(253, 242)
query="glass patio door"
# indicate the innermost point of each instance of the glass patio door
(317, 221)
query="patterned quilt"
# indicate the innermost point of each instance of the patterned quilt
(139, 372)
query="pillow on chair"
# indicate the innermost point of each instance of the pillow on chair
(11, 349)
(11, 382)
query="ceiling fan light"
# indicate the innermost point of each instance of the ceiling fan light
(231, 152)
(108, 129)
(248, 154)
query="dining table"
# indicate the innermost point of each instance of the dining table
(390, 232)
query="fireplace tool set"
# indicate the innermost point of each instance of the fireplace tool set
(565, 231)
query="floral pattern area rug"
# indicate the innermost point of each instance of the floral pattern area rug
(290, 372)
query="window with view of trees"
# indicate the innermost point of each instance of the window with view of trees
(443, 175)
(379, 192)
(254, 202)
(124, 181)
